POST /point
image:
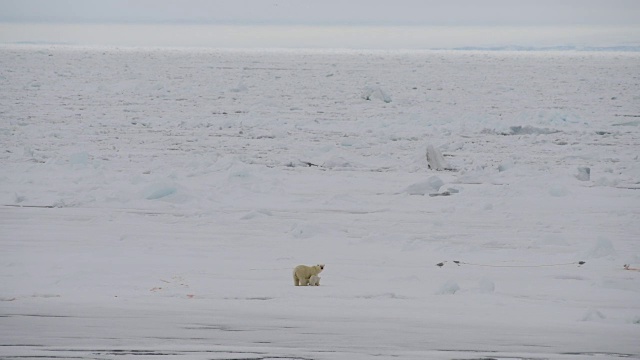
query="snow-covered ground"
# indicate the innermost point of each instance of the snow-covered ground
(155, 201)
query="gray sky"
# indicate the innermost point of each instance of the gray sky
(331, 12)
(354, 23)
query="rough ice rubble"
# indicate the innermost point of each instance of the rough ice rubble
(542, 122)
(525, 130)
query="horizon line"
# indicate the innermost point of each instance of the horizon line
(269, 23)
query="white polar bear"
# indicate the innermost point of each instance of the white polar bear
(302, 274)
(314, 280)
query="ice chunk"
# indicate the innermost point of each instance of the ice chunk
(256, 214)
(486, 286)
(593, 315)
(605, 181)
(522, 130)
(158, 191)
(584, 173)
(449, 288)
(430, 185)
(19, 198)
(505, 166)
(337, 162)
(375, 92)
(435, 159)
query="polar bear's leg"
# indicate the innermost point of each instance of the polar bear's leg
(296, 281)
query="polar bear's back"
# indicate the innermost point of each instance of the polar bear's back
(304, 271)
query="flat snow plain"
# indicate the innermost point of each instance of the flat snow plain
(155, 201)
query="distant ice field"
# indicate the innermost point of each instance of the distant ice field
(467, 205)
(619, 37)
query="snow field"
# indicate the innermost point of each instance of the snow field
(156, 202)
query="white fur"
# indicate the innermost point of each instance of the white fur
(314, 280)
(302, 274)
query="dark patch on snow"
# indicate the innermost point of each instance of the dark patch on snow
(629, 123)
(126, 353)
(135, 352)
(492, 357)
(212, 327)
(620, 355)
(528, 130)
(257, 298)
(496, 356)
(39, 315)
(20, 345)
(445, 193)
(503, 358)
(627, 115)
(469, 351)
(43, 357)
(31, 206)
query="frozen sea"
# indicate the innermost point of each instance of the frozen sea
(153, 203)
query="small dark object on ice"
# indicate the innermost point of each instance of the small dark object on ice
(444, 193)
(628, 267)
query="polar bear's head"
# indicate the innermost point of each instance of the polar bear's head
(320, 266)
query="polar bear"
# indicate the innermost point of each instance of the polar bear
(314, 280)
(302, 273)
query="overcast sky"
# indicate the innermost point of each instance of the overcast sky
(331, 12)
(352, 23)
